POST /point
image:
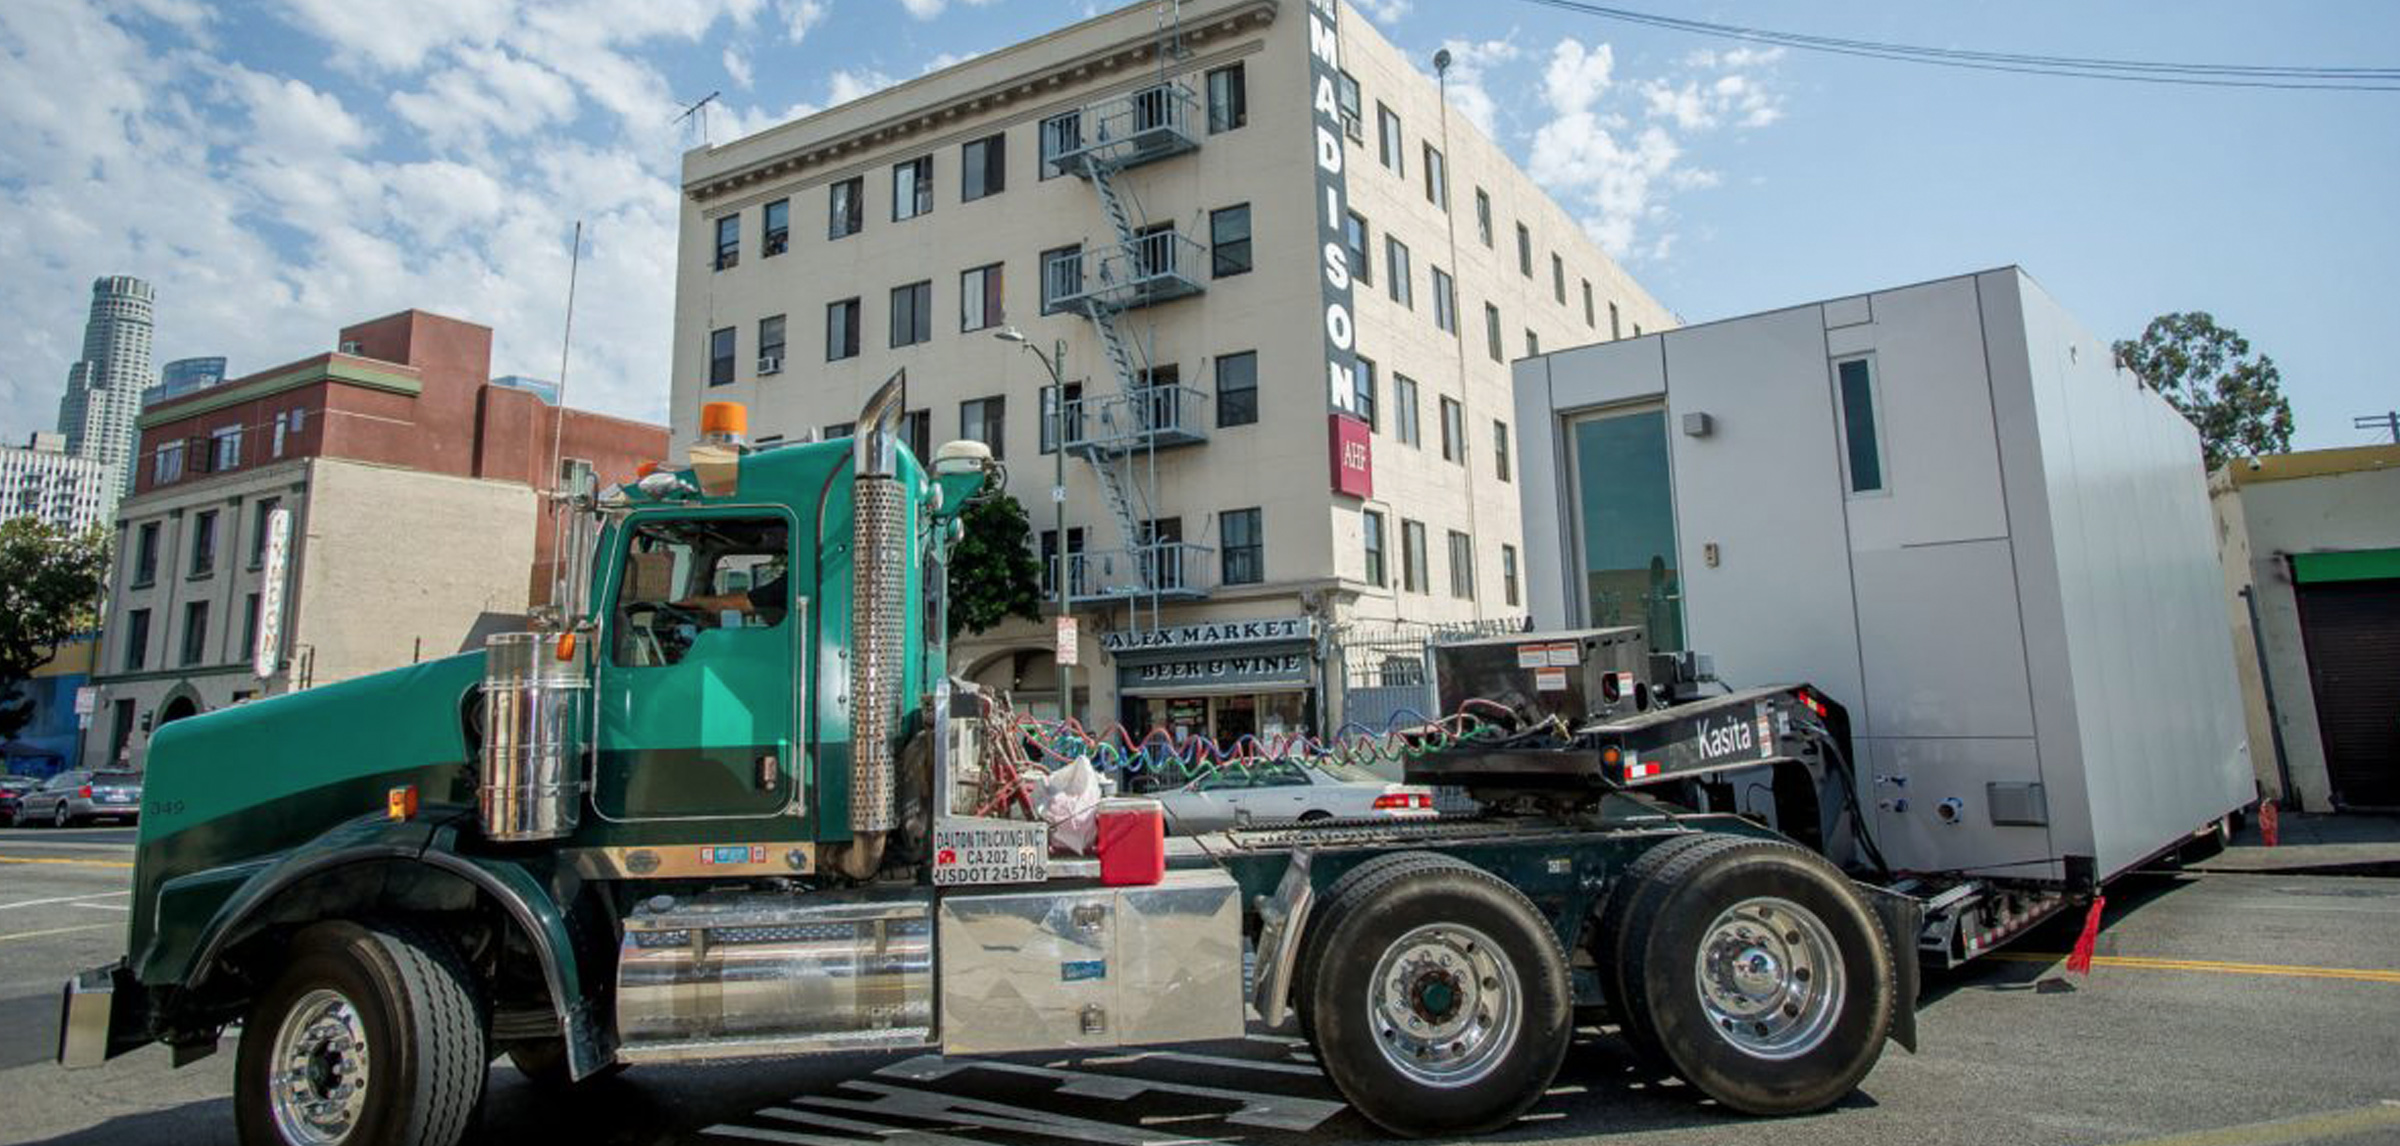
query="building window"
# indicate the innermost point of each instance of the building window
(1237, 388)
(288, 424)
(981, 298)
(137, 640)
(224, 449)
(776, 237)
(1412, 556)
(1491, 332)
(912, 314)
(1362, 390)
(1500, 449)
(1229, 241)
(1404, 411)
(770, 344)
(985, 420)
(982, 168)
(1062, 276)
(841, 330)
(1483, 216)
(1370, 525)
(1354, 232)
(720, 356)
(846, 207)
(262, 511)
(1228, 99)
(1395, 259)
(836, 431)
(1245, 546)
(1049, 546)
(1345, 97)
(1558, 279)
(1462, 566)
(916, 429)
(1533, 343)
(1391, 148)
(1445, 302)
(1052, 415)
(912, 188)
(1060, 134)
(145, 554)
(249, 627)
(1508, 574)
(729, 241)
(1454, 432)
(195, 632)
(1437, 179)
(1862, 447)
(1615, 330)
(204, 543)
(1524, 251)
(1588, 318)
(167, 464)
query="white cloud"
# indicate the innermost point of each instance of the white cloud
(928, 9)
(738, 67)
(801, 15)
(846, 85)
(1577, 76)
(1382, 11)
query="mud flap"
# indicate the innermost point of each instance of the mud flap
(1903, 917)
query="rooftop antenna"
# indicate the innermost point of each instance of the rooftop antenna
(699, 112)
(1170, 35)
(2388, 422)
(558, 425)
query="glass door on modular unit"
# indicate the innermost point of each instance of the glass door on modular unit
(1625, 523)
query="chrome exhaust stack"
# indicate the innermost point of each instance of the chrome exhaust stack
(878, 624)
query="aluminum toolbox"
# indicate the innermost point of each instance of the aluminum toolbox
(1040, 968)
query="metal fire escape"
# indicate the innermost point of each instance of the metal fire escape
(1120, 434)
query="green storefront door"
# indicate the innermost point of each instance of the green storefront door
(700, 668)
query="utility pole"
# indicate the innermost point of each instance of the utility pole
(2388, 422)
(1058, 495)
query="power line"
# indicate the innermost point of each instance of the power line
(2282, 77)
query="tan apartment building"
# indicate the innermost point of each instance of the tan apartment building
(1283, 283)
(371, 505)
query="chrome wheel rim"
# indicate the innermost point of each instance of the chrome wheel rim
(1770, 978)
(318, 1084)
(1445, 1004)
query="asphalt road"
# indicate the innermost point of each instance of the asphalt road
(2226, 1010)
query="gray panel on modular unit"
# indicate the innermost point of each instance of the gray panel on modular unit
(2023, 615)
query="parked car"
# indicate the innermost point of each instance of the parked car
(12, 791)
(78, 797)
(1284, 790)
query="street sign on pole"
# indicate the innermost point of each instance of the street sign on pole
(268, 653)
(1066, 640)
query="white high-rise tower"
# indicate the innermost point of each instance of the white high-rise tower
(104, 388)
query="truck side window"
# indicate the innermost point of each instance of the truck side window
(685, 576)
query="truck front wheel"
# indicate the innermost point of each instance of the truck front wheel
(372, 1036)
(1759, 975)
(1439, 999)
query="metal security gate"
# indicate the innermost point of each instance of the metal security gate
(2351, 630)
(1386, 668)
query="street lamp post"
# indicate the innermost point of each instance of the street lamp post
(1058, 492)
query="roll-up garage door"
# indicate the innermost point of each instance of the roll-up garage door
(2351, 627)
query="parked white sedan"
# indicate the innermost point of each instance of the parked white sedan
(1285, 790)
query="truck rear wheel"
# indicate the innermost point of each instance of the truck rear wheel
(1758, 974)
(371, 1035)
(1438, 998)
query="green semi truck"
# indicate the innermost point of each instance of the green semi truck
(717, 805)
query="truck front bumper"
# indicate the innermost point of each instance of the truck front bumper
(88, 1016)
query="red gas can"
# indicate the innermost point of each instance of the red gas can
(1133, 841)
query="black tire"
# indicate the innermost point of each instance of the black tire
(1401, 910)
(1337, 902)
(1670, 930)
(2208, 844)
(1607, 943)
(423, 1021)
(60, 817)
(1315, 814)
(543, 1062)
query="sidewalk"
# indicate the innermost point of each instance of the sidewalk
(2316, 844)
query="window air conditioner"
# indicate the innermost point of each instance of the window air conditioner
(770, 364)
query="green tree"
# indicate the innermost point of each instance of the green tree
(2234, 397)
(51, 583)
(993, 574)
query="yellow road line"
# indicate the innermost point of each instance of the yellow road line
(2339, 1124)
(54, 931)
(56, 859)
(2144, 963)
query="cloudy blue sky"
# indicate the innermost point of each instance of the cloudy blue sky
(279, 167)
